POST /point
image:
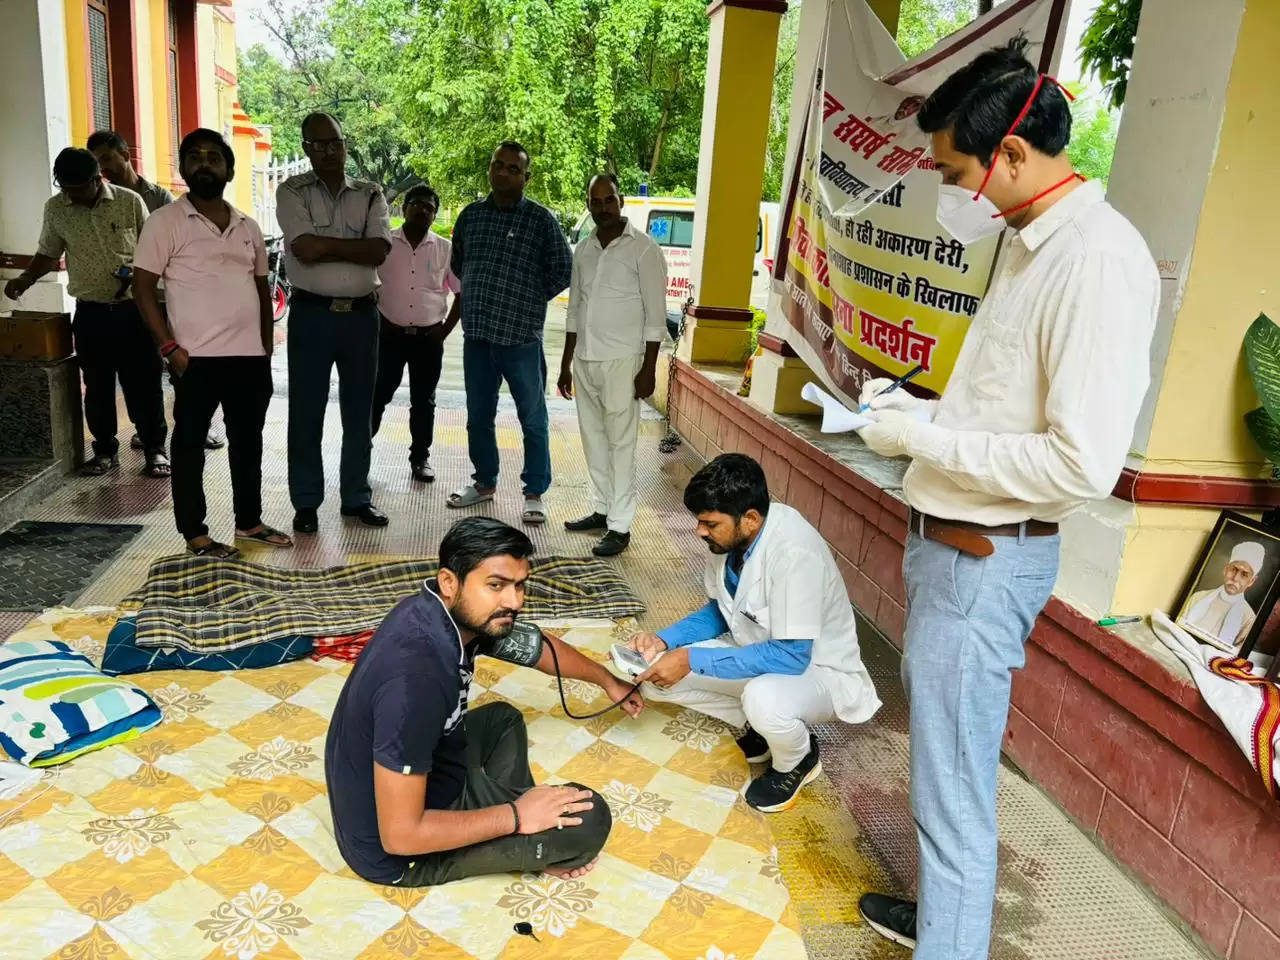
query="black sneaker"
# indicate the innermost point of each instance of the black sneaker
(305, 520)
(592, 521)
(754, 746)
(612, 544)
(890, 917)
(772, 791)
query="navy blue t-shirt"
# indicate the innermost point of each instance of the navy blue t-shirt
(403, 706)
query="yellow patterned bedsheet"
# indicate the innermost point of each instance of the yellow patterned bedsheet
(210, 836)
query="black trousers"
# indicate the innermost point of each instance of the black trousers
(112, 341)
(498, 772)
(424, 355)
(243, 386)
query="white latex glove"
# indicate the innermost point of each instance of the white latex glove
(900, 400)
(887, 434)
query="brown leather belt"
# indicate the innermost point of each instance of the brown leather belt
(975, 538)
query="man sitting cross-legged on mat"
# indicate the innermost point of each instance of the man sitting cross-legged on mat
(423, 790)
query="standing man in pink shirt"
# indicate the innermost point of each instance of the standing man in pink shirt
(416, 319)
(214, 264)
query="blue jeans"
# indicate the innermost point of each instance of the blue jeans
(967, 622)
(484, 367)
(319, 339)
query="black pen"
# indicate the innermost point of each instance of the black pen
(906, 377)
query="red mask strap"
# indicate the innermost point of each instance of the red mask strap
(1043, 193)
(1022, 115)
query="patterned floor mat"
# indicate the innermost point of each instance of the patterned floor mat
(45, 564)
(210, 836)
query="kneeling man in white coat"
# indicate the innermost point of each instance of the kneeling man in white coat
(775, 648)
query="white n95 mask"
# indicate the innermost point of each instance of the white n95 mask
(965, 217)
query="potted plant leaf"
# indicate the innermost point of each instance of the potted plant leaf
(1262, 356)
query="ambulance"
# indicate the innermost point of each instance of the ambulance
(669, 220)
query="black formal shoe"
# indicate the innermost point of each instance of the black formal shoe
(422, 471)
(890, 917)
(612, 544)
(592, 521)
(305, 520)
(754, 747)
(369, 515)
(772, 791)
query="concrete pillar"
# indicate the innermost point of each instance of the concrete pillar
(741, 50)
(1194, 171)
(35, 124)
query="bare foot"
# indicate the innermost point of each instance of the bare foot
(574, 873)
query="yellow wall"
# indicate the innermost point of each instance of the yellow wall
(78, 68)
(1235, 274)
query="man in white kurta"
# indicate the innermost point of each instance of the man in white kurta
(775, 648)
(1223, 616)
(617, 315)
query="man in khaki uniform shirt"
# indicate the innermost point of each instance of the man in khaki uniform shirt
(96, 226)
(336, 234)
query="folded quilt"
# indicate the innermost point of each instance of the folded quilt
(207, 605)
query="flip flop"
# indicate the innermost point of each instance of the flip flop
(214, 549)
(534, 512)
(157, 466)
(468, 496)
(267, 535)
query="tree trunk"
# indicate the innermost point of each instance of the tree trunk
(662, 127)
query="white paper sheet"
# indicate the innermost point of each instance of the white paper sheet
(836, 417)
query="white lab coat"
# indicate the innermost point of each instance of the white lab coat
(790, 589)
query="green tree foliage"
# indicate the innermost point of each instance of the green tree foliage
(922, 23)
(342, 59)
(583, 84)
(427, 88)
(1093, 136)
(784, 77)
(1106, 49)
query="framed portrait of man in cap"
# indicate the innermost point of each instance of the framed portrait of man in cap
(1230, 595)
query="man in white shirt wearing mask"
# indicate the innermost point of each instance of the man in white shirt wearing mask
(617, 314)
(1222, 616)
(1036, 420)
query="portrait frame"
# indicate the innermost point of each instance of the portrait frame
(1235, 528)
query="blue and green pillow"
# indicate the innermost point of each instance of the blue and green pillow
(55, 705)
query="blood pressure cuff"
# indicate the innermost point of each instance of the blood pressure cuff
(522, 646)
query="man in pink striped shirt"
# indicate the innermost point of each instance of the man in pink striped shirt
(416, 319)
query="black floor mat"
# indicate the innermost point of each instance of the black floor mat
(47, 564)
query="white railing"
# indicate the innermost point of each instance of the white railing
(266, 178)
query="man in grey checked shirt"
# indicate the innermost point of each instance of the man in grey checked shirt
(512, 258)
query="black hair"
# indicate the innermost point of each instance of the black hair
(107, 138)
(318, 115)
(979, 102)
(422, 190)
(611, 177)
(472, 541)
(205, 135)
(516, 148)
(732, 483)
(74, 167)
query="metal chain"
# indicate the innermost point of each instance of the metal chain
(672, 440)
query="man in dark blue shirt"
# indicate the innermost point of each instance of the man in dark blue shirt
(511, 258)
(424, 791)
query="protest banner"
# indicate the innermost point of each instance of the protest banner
(873, 285)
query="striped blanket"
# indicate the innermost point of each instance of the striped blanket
(207, 605)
